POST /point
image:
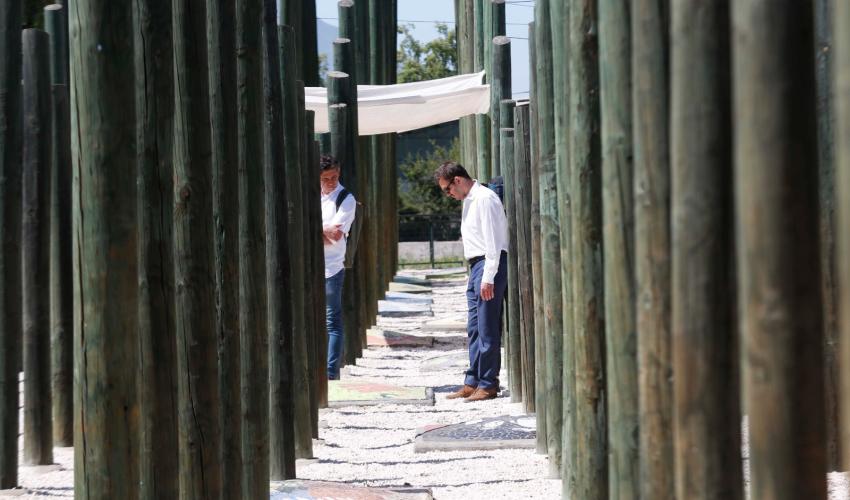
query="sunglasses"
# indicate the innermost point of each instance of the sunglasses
(449, 186)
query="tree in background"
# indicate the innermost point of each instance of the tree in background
(418, 193)
(429, 61)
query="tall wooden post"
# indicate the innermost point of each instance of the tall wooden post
(10, 238)
(158, 456)
(465, 15)
(199, 404)
(559, 21)
(777, 201)
(282, 412)
(61, 270)
(826, 166)
(514, 348)
(255, 343)
(650, 84)
(291, 13)
(106, 415)
(550, 240)
(707, 415)
(586, 192)
(536, 252)
(35, 248)
(482, 121)
(522, 187)
(221, 30)
(615, 86)
(500, 89)
(309, 47)
(292, 139)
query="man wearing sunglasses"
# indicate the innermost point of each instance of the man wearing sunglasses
(484, 230)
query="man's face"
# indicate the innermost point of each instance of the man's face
(329, 180)
(450, 188)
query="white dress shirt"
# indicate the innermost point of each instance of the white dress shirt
(335, 252)
(484, 229)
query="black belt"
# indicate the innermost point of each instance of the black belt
(476, 260)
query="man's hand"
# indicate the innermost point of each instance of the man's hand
(486, 291)
(332, 233)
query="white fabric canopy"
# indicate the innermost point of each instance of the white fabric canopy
(408, 106)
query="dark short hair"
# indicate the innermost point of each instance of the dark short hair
(449, 170)
(328, 162)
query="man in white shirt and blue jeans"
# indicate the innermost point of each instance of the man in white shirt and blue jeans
(337, 217)
(484, 230)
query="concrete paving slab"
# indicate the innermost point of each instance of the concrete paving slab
(410, 297)
(349, 393)
(410, 280)
(444, 325)
(484, 434)
(387, 338)
(453, 361)
(391, 308)
(448, 274)
(405, 287)
(315, 490)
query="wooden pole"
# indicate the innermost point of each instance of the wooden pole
(106, 415)
(255, 342)
(585, 197)
(514, 349)
(158, 456)
(841, 91)
(559, 20)
(706, 410)
(221, 29)
(826, 162)
(282, 412)
(522, 188)
(10, 236)
(536, 250)
(550, 241)
(310, 49)
(35, 248)
(465, 14)
(615, 85)
(500, 89)
(195, 310)
(777, 200)
(61, 269)
(482, 121)
(650, 96)
(290, 13)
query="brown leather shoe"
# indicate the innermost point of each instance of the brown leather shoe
(464, 392)
(482, 394)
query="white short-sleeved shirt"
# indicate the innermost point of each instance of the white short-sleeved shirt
(335, 252)
(484, 229)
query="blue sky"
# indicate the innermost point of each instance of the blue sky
(424, 13)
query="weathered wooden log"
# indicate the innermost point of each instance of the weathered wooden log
(35, 247)
(10, 236)
(586, 203)
(158, 456)
(310, 46)
(291, 13)
(522, 187)
(513, 349)
(841, 88)
(255, 342)
(615, 97)
(650, 84)
(559, 19)
(776, 195)
(465, 15)
(221, 30)
(549, 241)
(282, 412)
(706, 410)
(826, 165)
(194, 273)
(500, 89)
(106, 284)
(482, 121)
(61, 269)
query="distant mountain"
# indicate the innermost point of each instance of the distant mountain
(327, 33)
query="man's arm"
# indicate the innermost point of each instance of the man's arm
(494, 228)
(344, 217)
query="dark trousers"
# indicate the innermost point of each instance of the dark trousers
(484, 326)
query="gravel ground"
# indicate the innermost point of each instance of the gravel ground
(373, 445)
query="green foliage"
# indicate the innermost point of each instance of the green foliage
(429, 61)
(33, 12)
(323, 69)
(418, 193)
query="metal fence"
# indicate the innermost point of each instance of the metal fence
(428, 228)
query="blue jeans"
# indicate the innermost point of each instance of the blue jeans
(333, 312)
(484, 326)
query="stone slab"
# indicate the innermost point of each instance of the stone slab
(444, 325)
(388, 338)
(409, 297)
(350, 393)
(447, 274)
(407, 288)
(315, 490)
(446, 362)
(410, 280)
(496, 433)
(391, 308)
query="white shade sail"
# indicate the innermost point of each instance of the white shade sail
(402, 107)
